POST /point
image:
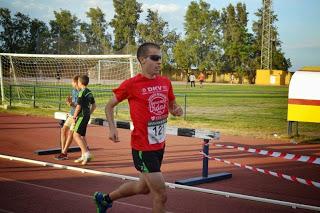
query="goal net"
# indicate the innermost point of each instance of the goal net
(46, 79)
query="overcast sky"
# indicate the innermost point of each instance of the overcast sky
(298, 23)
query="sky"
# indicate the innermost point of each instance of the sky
(298, 20)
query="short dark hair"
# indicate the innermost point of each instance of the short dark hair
(84, 79)
(75, 78)
(144, 48)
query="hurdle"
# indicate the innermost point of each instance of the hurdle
(56, 150)
(184, 132)
(205, 178)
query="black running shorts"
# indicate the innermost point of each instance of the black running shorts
(148, 161)
(81, 125)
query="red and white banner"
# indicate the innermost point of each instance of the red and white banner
(288, 156)
(264, 171)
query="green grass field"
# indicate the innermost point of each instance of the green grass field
(246, 110)
(250, 110)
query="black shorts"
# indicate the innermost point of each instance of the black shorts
(147, 161)
(81, 125)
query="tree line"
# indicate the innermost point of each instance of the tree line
(213, 42)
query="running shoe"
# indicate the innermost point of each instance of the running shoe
(62, 156)
(101, 203)
(87, 158)
(78, 160)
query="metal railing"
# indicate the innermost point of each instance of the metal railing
(35, 95)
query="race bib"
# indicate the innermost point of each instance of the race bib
(157, 131)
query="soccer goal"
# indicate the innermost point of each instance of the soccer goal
(46, 79)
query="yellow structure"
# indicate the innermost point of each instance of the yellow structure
(304, 96)
(272, 77)
(310, 68)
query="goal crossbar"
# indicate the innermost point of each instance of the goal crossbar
(104, 71)
(67, 56)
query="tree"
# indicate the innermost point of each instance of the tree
(6, 36)
(97, 40)
(182, 55)
(201, 46)
(21, 34)
(39, 37)
(64, 32)
(170, 40)
(237, 42)
(125, 21)
(279, 62)
(153, 30)
(156, 30)
(16, 32)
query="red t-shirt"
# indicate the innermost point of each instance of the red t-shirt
(148, 100)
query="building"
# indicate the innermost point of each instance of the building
(272, 77)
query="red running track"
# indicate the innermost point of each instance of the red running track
(27, 187)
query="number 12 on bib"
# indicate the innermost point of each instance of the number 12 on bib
(157, 131)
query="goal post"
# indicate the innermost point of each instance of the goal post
(1, 83)
(106, 67)
(25, 77)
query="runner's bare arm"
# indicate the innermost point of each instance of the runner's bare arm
(113, 135)
(69, 100)
(93, 107)
(76, 112)
(175, 109)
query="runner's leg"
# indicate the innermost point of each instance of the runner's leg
(130, 188)
(63, 132)
(68, 142)
(82, 144)
(156, 185)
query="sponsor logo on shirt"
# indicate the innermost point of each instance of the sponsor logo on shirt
(154, 89)
(157, 103)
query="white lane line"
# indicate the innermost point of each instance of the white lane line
(170, 185)
(72, 193)
(5, 211)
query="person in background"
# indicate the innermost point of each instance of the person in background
(85, 107)
(66, 134)
(192, 78)
(232, 78)
(201, 78)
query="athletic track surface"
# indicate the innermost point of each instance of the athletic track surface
(26, 187)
